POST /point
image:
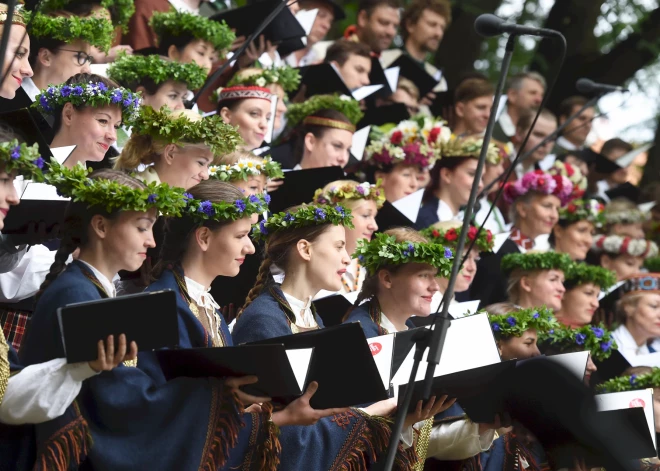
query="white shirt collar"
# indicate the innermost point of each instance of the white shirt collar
(627, 345)
(182, 7)
(308, 59)
(30, 88)
(302, 310)
(200, 294)
(444, 212)
(108, 286)
(297, 167)
(507, 125)
(565, 143)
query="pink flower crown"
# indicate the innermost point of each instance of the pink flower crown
(540, 182)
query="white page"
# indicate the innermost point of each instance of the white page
(62, 153)
(363, 92)
(499, 239)
(392, 76)
(99, 69)
(359, 142)
(210, 113)
(651, 359)
(629, 399)
(409, 205)
(605, 293)
(575, 362)
(41, 191)
(627, 159)
(306, 19)
(458, 310)
(271, 123)
(646, 207)
(469, 344)
(382, 348)
(299, 359)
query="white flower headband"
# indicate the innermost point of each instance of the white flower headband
(619, 245)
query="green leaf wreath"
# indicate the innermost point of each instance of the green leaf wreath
(583, 210)
(130, 70)
(174, 23)
(535, 261)
(595, 338)
(120, 10)
(580, 273)
(201, 211)
(23, 159)
(384, 250)
(286, 76)
(516, 323)
(304, 216)
(652, 264)
(95, 31)
(165, 126)
(344, 104)
(484, 243)
(632, 382)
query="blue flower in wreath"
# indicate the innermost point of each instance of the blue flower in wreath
(580, 339)
(254, 199)
(77, 90)
(598, 332)
(340, 210)
(43, 101)
(51, 91)
(66, 91)
(605, 346)
(262, 227)
(495, 326)
(409, 251)
(187, 196)
(206, 207)
(361, 258)
(267, 198)
(16, 153)
(39, 162)
(240, 205)
(116, 97)
(632, 380)
(448, 253)
(152, 198)
(102, 86)
(288, 217)
(128, 101)
(511, 321)
(536, 315)
(319, 214)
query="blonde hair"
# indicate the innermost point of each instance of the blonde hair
(145, 149)
(237, 155)
(347, 202)
(446, 225)
(513, 281)
(498, 309)
(629, 301)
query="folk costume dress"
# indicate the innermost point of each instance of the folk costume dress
(352, 440)
(185, 424)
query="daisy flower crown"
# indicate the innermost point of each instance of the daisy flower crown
(470, 147)
(95, 31)
(582, 273)
(535, 261)
(23, 159)
(619, 245)
(96, 95)
(574, 174)
(383, 250)
(245, 168)
(583, 210)
(516, 323)
(629, 216)
(201, 211)
(286, 76)
(484, 243)
(597, 339)
(132, 69)
(631, 383)
(112, 195)
(542, 183)
(304, 216)
(362, 191)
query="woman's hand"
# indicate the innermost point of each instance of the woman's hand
(246, 399)
(299, 412)
(501, 421)
(273, 185)
(429, 410)
(108, 359)
(254, 52)
(382, 408)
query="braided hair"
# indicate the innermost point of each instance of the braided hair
(74, 233)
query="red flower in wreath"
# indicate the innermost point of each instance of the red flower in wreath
(541, 181)
(397, 137)
(472, 233)
(435, 233)
(569, 170)
(571, 208)
(433, 135)
(489, 236)
(451, 235)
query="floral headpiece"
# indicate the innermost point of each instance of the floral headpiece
(469, 147)
(620, 245)
(574, 174)
(95, 31)
(383, 250)
(242, 169)
(23, 159)
(344, 104)
(641, 283)
(361, 191)
(632, 382)
(540, 182)
(583, 210)
(516, 323)
(304, 216)
(96, 95)
(504, 150)
(484, 243)
(535, 261)
(174, 23)
(200, 211)
(120, 10)
(582, 273)
(132, 69)
(287, 77)
(165, 125)
(20, 15)
(112, 195)
(418, 141)
(240, 92)
(597, 339)
(627, 216)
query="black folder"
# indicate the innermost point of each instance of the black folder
(416, 73)
(389, 217)
(342, 364)
(268, 362)
(300, 185)
(379, 115)
(29, 214)
(320, 79)
(332, 309)
(150, 319)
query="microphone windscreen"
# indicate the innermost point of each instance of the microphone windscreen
(584, 85)
(488, 25)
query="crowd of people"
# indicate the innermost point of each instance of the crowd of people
(184, 163)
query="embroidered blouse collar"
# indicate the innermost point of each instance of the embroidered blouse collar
(521, 239)
(302, 310)
(200, 294)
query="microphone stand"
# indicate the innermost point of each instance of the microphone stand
(435, 338)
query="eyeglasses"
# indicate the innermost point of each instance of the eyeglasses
(81, 56)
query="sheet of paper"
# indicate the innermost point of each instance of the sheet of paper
(306, 19)
(458, 310)
(575, 362)
(499, 240)
(62, 153)
(409, 205)
(363, 92)
(382, 348)
(41, 191)
(299, 359)
(392, 76)
(271, 122)
(359, 142)
(628, 399)
(605, 293)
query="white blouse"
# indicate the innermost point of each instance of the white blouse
(302, 310)
(108, 286)
(202, 296)
(626, 343)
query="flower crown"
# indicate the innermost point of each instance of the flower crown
(304, 216)
(383, 250)
(484, 243)
(574, 174)
(120, 10)
(112, 195)
(132, 69)
(620, 245)
(200, 211)
(516, 323)
(504, 150)
(470, 147)
(165, 126)
(583, 210)
(632, 382)
(95, 31)
(417, 141)
(535, 261)
(582, 273)
(540, 182)
(628, 216)
(244, 168)
(344, 104)
(174, 23)
(96, 95)
(361, 191)
(287, 77)
(597, 339)
(20, 17)
(23, 159)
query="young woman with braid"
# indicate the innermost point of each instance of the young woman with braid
(186, 423)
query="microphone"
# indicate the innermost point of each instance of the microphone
(488, 25)
(588, 86)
